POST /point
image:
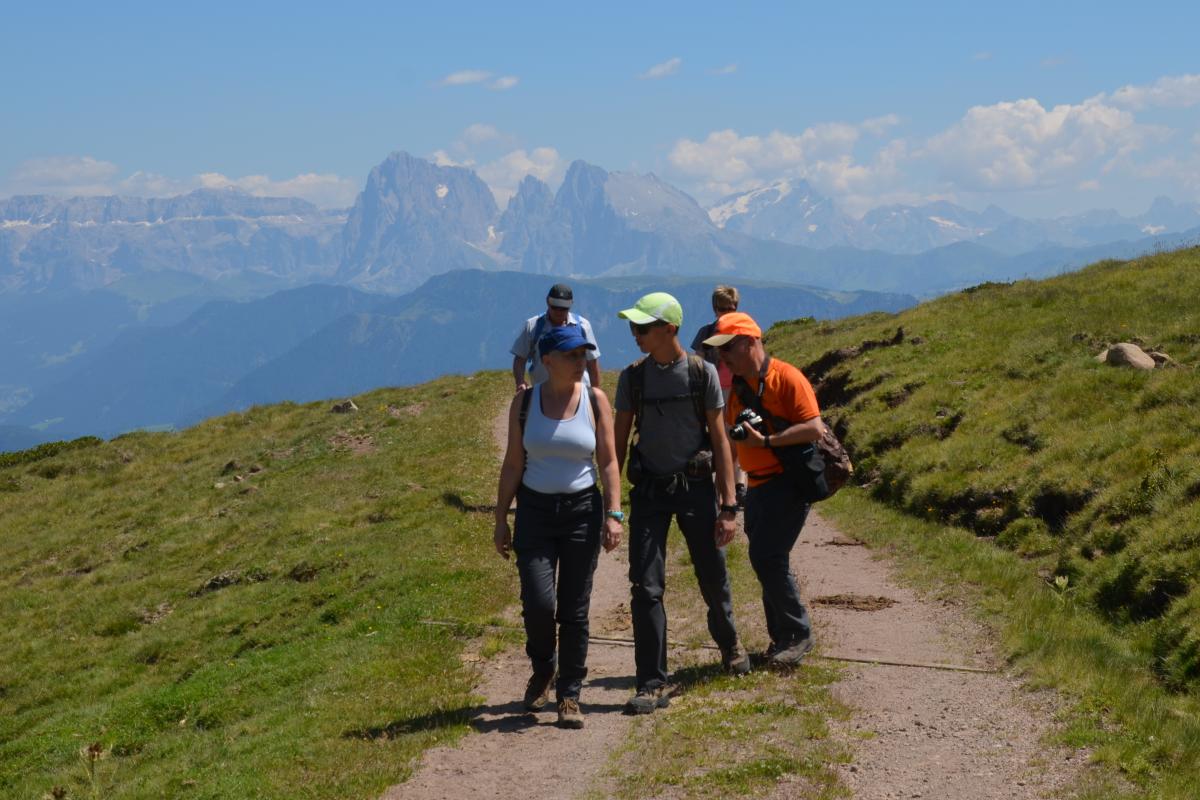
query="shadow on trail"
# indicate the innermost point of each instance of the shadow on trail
(508, 717)
(456, 501)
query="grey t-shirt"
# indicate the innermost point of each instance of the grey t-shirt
(670, 432)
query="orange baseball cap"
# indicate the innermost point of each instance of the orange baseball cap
(732, 325)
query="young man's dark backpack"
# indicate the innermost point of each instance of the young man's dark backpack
(700, 465)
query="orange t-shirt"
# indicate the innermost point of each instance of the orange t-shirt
(787, 394)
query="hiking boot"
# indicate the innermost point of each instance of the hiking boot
(735, 660)
(569, 713)
(646, 700)
(537, 691)
(791, 655)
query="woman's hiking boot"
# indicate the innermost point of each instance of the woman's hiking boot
(569, 713)
(646, 700)
(537, 691)
(735, 660)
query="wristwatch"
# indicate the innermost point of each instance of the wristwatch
(619, 516)
(733, 509)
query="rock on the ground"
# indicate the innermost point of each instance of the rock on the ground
(1126, 354)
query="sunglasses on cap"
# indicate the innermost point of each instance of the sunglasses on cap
(642, 330)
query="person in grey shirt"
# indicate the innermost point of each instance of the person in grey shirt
(558, 313)
(675, 401)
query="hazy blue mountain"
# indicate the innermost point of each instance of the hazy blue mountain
(526, 217)
(49, 243)
(415, 219)
(787, 211)
(791, 211)
(43, 336)
(153, 376)
(603, 223)
(466, 321)
(916, 229)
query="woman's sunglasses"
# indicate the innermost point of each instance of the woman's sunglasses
(642, 330)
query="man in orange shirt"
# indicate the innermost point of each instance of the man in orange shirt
(775, 513)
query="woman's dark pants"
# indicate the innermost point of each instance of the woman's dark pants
(774, 517)
(557, 532)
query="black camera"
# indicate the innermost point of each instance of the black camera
(748, 418)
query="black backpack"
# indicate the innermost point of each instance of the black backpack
(701, 464)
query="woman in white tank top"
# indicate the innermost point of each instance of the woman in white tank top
(554, 431)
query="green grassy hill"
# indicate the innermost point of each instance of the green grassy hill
(986, 409)
(234, 611)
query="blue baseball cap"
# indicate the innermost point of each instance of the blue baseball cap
(563, 337)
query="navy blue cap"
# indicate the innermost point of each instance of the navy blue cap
(563, 337)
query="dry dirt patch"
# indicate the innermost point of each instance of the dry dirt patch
(359, 444)
(855, 602)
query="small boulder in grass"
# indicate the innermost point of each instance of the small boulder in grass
(344, 407)
(1125, 354)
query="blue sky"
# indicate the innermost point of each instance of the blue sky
(1043, 109)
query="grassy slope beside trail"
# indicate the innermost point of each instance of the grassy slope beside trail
(991, 415)
(256, 639)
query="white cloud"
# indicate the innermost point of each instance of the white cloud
(480, 132)
(1177, 91)
(325, 191)
(505, 174)
(727, 162)
(1050, 62)
(983, 55)
(76, 176)
(878, 126)
(444, 159)
(1021, 145)
(728, 69)
(669, 67)
(467, 77)
(1092, 185)
(63, 175)
(464, 77)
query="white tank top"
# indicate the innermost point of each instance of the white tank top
(559, 450)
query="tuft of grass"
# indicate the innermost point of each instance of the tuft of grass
(1145, 738)
(236, 610)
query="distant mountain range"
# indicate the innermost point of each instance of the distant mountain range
(415, 219)
(328, 341)
(118, 313)
(791, 211)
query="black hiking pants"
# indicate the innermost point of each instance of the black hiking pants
(557, 542)
(693, 504)
(774, 517)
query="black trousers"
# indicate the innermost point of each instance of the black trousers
(774, 517)
(694, 507)
(557, 542)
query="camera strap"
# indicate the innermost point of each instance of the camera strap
(753, 400)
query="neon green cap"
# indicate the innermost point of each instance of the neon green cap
(655, 306)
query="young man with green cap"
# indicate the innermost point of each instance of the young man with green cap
(674, 401)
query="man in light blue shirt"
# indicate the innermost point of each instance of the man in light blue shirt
(558, 313)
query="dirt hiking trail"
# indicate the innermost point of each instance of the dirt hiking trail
(917, 731)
